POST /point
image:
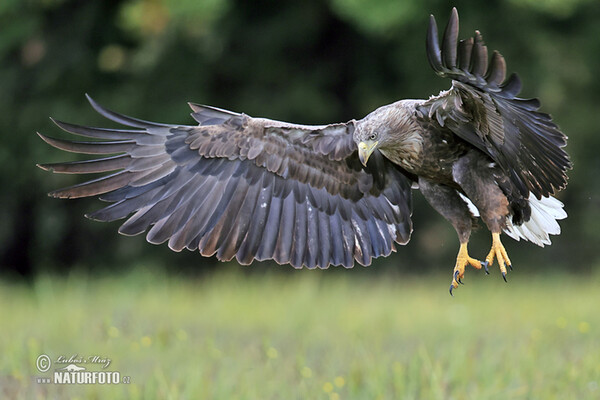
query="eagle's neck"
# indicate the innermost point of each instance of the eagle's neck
(406, 146)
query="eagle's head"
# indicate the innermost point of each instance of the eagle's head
(384, 129)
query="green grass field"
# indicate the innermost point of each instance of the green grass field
(307, 335)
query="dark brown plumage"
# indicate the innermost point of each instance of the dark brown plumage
(254, 188)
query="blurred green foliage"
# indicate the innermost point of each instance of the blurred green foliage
(303, 61)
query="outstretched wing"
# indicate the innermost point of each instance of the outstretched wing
(246, 187)
(482, 108)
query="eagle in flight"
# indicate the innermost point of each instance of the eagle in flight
(315, 195)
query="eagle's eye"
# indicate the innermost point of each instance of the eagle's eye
(372, 136)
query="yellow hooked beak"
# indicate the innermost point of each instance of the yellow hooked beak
(365, 149)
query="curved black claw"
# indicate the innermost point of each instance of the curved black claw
(485, 267)
(457, 278)
(451, 288)
(504, 276)
(509, 266)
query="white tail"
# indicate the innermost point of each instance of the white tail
(542, 224)
(544, 214)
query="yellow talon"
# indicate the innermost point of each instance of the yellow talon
(499, 253)
(462, 260)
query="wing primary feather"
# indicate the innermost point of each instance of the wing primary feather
(248, 249)
(362, 247)
(497, 71)
(152, 174)
(167, 204)
(377, 240)
(270, 236)
(433, 46)
(122, 208)
(348, 243)
(312, 236)
(177, 181)
(89, 166)
(465, 49)
(123, 119)
(300, 236)
(188, 223)
(282, 253)
(208, 115)
(337, 244)
(182, 223)
(325, 240)
(100, 133)
(89, 147)
(223, 217)
(128, 191)
(480, 56)
(214, 213)
(203, 209)
(239, 227)
(450, 40)
(94, 187)
(511, 87)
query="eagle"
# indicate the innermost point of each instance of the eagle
(318, 195)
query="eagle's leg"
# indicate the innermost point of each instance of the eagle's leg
(499, 252)
(478, 177)
(451, 206)
(462, 260)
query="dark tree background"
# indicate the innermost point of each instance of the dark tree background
(305, 61)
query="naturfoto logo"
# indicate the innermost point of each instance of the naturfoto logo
(68, 370)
